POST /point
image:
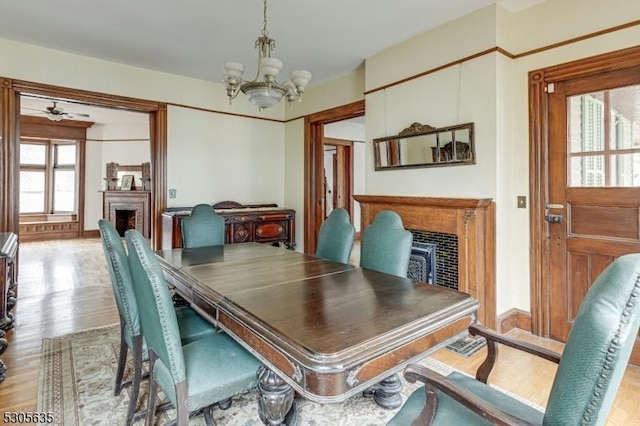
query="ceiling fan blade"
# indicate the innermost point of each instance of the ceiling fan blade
(76, 114)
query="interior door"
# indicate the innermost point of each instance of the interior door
(341, 169)
(593, 206)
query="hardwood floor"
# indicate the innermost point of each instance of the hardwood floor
(64, 287)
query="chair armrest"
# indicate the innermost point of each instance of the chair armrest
(493, 337)
(434, 381)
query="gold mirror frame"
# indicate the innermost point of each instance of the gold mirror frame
(421, 145)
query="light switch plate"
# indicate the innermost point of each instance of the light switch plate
(173, 192)
(522, 202)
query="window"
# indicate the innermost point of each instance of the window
(48, 176)
(604, 138)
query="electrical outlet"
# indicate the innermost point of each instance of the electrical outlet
(173, 192)
(522, 202)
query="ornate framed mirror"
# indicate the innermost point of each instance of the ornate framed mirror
(421, 145)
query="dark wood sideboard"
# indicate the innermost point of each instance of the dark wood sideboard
(8, 287)
(262, 223)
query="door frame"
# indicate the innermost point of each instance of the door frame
(10, 92)
(314, 164)
(343, 167)
(539, 81)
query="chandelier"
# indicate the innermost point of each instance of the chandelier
(266, 91)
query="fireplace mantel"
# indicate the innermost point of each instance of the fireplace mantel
(471, 219)
(137, 203)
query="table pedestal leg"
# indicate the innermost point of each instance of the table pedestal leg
(275, 399)
(386, 393)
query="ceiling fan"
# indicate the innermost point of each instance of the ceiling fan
(55, 113)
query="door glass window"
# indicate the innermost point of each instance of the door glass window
(604, 138)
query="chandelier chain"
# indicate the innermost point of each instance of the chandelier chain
(264, 28)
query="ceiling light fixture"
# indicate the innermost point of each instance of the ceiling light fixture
(266, 91)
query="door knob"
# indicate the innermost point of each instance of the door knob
(553, 218)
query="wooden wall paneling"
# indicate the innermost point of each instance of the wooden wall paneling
(538, 182)
(158, 132)
(9, 156)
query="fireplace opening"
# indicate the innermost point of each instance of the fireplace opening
(125, 220)
(422, 263)
(435, 253)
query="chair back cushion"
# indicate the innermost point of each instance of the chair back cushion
(335, 238)
(598, 348)
(204, 227)
(386, 245)
(157, 313)
(118, 266)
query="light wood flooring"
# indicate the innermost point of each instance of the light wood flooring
(64, 287)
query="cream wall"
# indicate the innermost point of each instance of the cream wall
(338, 92)
(294, 175)
(81, 72)
(455, 95)
(116, 142)
(216, 157)
(466, 36)
(93, 174)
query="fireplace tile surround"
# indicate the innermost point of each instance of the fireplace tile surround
(468, 223)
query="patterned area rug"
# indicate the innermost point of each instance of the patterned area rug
(76, 384)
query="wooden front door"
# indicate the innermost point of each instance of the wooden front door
(593, 207)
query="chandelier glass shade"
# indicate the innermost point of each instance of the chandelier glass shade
(264, 90)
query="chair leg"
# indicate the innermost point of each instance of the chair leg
(208, 415)
(182, 406)
(137, 377)
(153, 390)
(122, 360)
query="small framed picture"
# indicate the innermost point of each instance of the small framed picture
(127, 182)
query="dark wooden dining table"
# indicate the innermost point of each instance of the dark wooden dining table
(323, 329)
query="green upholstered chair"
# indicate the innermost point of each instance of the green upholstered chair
(192, 326)
(589, 372)
(203, 227)
(335, 238)
(386, 245)
(193, 376)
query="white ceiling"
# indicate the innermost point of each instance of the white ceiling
(194, 38)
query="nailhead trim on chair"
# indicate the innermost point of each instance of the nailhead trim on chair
(613, 350)
(163, 319)
(116, 271)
